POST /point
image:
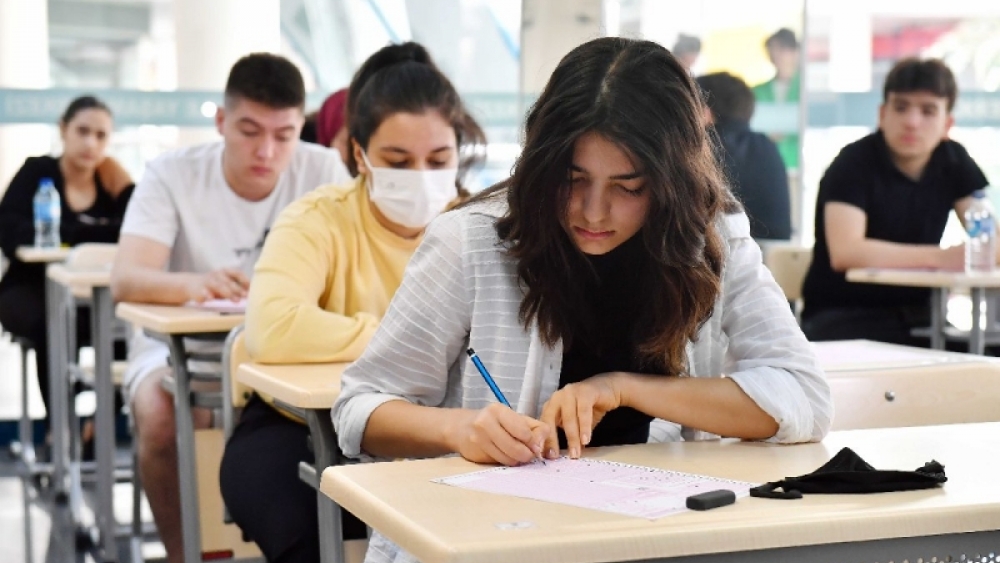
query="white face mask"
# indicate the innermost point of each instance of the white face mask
(411, 198)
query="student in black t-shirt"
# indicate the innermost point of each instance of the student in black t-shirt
(93, 190)
(884, 202)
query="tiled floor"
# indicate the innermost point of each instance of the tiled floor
(34, 527)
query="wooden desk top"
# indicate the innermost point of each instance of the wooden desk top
(173, 319)
(443, 524)
(306, 386)
(37, 255)
(923, 278)
(74, 278)
(864, 355)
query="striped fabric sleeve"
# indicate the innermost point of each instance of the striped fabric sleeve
(421, 335)
(773, 362)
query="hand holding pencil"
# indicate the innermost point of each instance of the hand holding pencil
(498, 434)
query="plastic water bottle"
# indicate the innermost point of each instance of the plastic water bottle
(981, 243)
(48, 212)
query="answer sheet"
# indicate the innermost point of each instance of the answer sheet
(224, 306)
(631, 490)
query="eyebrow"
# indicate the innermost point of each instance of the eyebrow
(401, 150)
(629, 176)
(248, 121)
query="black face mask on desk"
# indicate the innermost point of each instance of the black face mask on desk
(847, 473)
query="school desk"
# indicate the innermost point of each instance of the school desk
(879, 385)
(173, 325)
(443, 524)
(34, 254)
(308, 391)
(939, 282)
(65, 285)
(838, 356)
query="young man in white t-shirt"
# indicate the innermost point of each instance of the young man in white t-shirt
(192, 231)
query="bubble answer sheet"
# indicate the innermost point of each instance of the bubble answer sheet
(631, 490)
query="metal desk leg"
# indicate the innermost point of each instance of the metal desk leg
(102, 323)
(56, 325)
(938, 305)
(186, 470)
(331, 529)
(977, 344)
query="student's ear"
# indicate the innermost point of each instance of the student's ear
(359, 160)
(947, 126)
(220, 116)
(706, 116)
(881, 114)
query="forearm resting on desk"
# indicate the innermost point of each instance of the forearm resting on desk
(141, 284)
(872, 253)
(403, 429)
(279, 331)
(713, 404)
(846, 227)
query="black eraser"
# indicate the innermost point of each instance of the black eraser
(711, 499)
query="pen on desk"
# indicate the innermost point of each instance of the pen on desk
(493, 384)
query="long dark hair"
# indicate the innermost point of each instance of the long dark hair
(404, 78)
(636, 95)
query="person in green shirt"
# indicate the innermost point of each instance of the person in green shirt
(783, 50)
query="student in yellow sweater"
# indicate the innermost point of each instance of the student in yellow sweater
(331, 264)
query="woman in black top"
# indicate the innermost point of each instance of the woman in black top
(93, 190)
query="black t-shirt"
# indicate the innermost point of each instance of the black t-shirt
(100, 223)
(607, 335)
(898, 209)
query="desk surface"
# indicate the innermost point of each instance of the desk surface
(82, 278)
(172, 319)
(864, 355)
(439, 524)
(34, 254)
(306, 386)
(923, 278)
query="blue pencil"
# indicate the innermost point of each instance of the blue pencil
(489, 378)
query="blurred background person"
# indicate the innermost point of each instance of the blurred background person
(686, 50)
(93, 190)
(331, 123)
(328, 125)
(754, 168)
(783, 51)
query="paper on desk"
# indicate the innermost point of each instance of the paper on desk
(631, 490)
(222, 306)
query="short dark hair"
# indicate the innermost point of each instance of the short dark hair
(80, 104)
(686, 44)
(636, 95)
(268, 79)
(784, 37)
(404, 78)
(727, 96)
(921, 75)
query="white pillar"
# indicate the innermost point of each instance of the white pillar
(24, 63)
(211, 36)
(549, 30)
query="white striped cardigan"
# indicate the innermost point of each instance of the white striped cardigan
(461, 289)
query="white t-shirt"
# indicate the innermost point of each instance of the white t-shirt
(184, 202)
